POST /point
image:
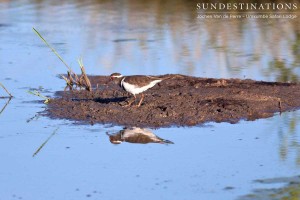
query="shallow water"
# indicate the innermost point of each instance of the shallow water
(214, 161)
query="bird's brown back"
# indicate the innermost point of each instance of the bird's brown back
(140, 80)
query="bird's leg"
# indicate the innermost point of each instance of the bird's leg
(130, 102)
(141, 100)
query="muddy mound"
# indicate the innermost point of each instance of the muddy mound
(179, 100)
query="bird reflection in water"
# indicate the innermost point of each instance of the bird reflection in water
(136, 135)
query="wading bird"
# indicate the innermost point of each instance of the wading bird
(136, 84)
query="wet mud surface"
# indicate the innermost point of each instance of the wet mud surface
(177, 101)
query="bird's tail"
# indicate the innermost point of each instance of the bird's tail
(167, 142)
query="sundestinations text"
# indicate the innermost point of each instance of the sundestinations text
(247, 6)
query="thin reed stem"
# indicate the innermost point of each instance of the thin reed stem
(53, 50)
(44, 143)
(6, 90)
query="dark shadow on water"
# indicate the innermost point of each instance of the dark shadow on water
(125, 40)
(2, 25)
(136, 135)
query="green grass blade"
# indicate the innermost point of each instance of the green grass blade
(36, 93)
(53, 50)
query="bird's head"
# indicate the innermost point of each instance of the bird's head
(114, 76)
(115, 138)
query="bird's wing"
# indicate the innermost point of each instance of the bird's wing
(140, 80)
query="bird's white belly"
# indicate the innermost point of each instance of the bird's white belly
(131, 132)
(136, 90)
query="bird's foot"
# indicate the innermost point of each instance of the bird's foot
(128, 104)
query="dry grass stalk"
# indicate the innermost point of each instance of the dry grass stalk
(10, 95)
(82, 81)
(72, 78)
(44, 143)
(5, 105)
